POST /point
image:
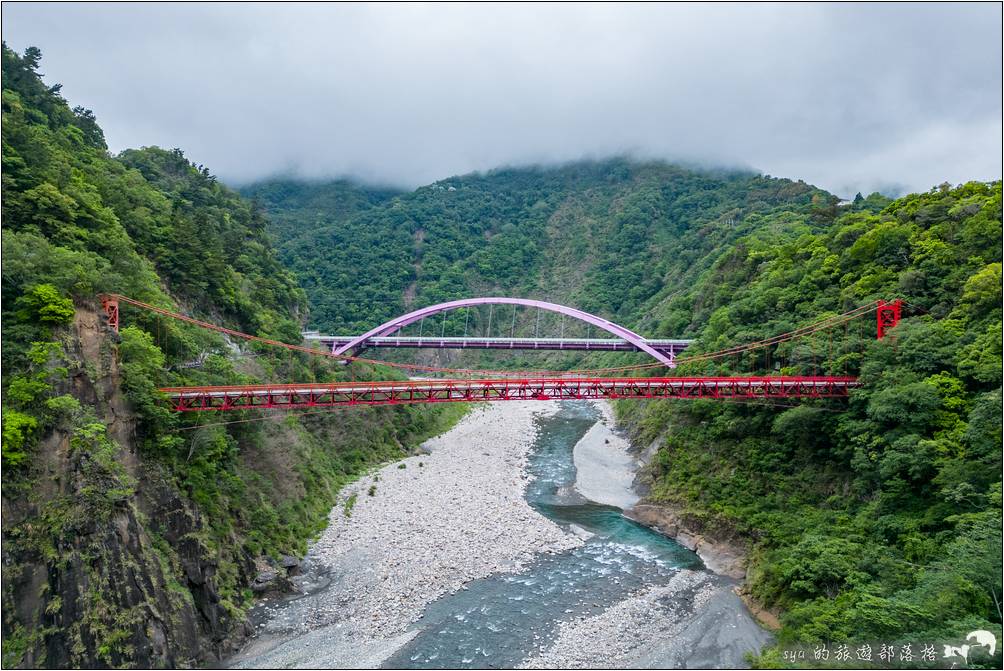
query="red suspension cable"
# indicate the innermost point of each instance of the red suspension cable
(820, 325)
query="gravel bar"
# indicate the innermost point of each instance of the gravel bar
(695, 621)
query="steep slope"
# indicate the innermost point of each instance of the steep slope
(131, 537)
(881, 521)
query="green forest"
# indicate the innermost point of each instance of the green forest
(873, 519)
(882, 521)
(607, 237)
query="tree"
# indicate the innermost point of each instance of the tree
(18, 430)
(44, 304)
(32, 57)
(88, 123)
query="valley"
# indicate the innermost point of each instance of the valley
(139, 531)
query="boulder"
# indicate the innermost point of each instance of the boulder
(291, 564)
(270, 581)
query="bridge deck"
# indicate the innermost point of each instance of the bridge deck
(191, 399)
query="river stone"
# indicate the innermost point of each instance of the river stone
(271, 582)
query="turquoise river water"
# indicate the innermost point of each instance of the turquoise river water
(499, 621)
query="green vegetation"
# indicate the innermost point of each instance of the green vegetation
(43, 304)
(291, 203)
(605, 237)
(350, 503)
(18, 429)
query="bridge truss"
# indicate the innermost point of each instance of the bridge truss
(670, 347)
(267, 397)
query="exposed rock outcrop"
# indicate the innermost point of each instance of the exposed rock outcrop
(103, 562)
(725, 556)
(767, 617)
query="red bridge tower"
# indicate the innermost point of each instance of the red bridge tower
(887, 316)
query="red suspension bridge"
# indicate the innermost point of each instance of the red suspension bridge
(289, 396)
(485, 385)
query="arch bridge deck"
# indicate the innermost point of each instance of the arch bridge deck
(672, 347)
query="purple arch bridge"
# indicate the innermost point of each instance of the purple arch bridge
(358, 343)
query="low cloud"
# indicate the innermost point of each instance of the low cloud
(851, 97)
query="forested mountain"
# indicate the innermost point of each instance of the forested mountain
(131, 537)
(605, 236)
(877, 520)
(293, 204)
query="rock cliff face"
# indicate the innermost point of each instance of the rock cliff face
(725, 556)
(103, 563)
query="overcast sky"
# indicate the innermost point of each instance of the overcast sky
(848, 97)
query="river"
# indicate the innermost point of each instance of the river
(620, 595)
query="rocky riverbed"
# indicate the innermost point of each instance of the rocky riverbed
(469, 556)
(618, 636)
(414, 531)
